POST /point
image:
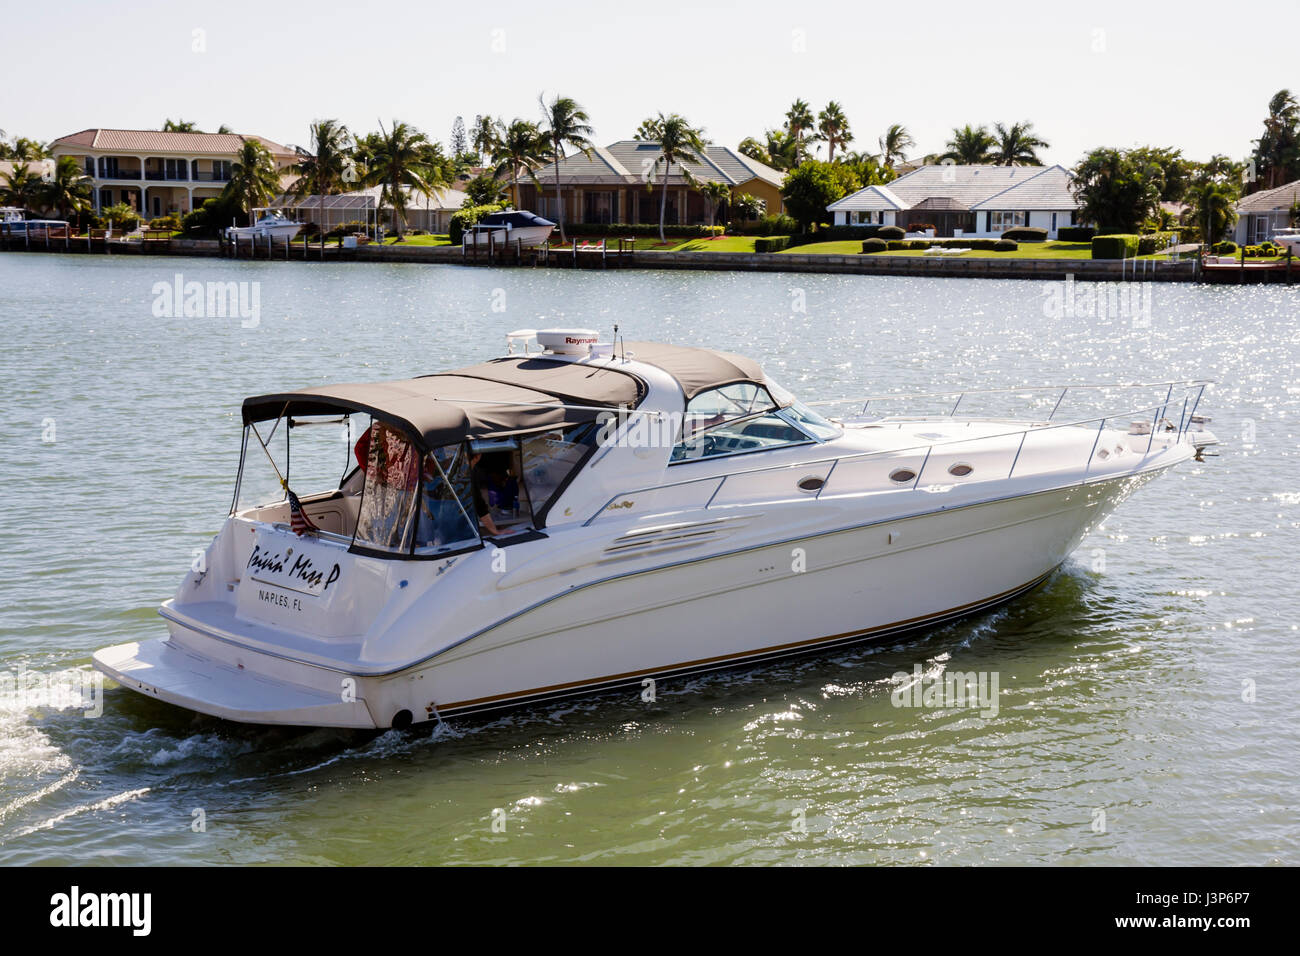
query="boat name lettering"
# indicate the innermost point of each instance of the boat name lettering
(303, 569)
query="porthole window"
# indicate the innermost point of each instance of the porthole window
(1103, 454)
(959, 469)
(902, 475)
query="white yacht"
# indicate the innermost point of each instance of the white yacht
(508, 229)
(582, 517)
(1288, 238)
(273, 224)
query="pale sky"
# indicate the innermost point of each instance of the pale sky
(1192, 75)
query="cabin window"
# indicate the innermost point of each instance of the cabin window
(1006, 220)
(447, 519)
(386, 518)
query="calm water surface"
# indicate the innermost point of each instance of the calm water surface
(1122, 679)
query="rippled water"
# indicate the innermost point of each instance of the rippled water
(1122, 679)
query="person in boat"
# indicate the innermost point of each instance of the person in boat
(446, 504)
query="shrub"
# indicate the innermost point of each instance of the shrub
(621, 230)
(1026, 234)
(1075, 233)
(1154, 242)
(890, 232)
(778, 225)
(919, 244)
(122, 217)
(874, 245)
(1225, 248)
(347, 229)
(1005, 245)
(170, 222)
(468, 216)
(771, 243)
(1117, 246)
(211, 218)
(896, 244)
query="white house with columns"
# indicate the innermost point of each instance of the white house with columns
(158, 173)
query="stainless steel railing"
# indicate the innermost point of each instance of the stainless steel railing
(1187, 402)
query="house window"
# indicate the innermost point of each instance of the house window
(598, 207)
(221, 170)
(1005, 220)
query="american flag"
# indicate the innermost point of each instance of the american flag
(299, 523)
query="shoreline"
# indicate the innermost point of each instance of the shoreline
(1140, 270)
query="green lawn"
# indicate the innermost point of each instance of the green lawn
(724, 244)
(419, 241)
(611, 244)
(1027, 250)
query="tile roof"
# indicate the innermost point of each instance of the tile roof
(1282, 197)
(953, 187)
(629, 161)
(157, 141)
(368, 198)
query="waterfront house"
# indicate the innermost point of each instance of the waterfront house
(622, 182)
(1261, 214)
(430, 213)
(965, 200)
(159, 173)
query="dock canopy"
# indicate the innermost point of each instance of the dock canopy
(509, 396)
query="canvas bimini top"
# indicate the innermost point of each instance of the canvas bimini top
(508, 396)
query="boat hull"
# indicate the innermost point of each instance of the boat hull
(810, 592)
(527, 236)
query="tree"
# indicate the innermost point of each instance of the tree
(1176, 173)
(223, 128)
(23, 150)
(1277, 151)
(812, 186)
(777, 149)
(67, 190)
(894, 145)
(22, 188)
(716, 193)
(400, 167)
(519, 147)
(680, 143)
(484, 189)
(566, 124)
(459, 141)
(329, 168)
(833, 128)
(1211, 208)
(179, 126)
(254, 179)
(748, 206)
(1116, 189)
(799, 120)
(754, 150)
(1016, 145)
(868, 169)
(484, 136)
(969, 146)
(648, 131)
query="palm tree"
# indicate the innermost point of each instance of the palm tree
(799, 119)
(254, 180)
(680, 143)
(519, 147)
(894, 144)
(969, 146)
(179, 126)
(401, 168)
(322, 172)
(68, 189)
(484, 136)
(833, 127)
(22, 187)
(1277, 152)
(1016, 145)
(567, 124)
(648, 131)
(1211, 211)
(716, 192)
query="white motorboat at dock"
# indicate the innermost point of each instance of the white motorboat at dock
(270, 224)
(585, 517)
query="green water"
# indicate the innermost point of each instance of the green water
(1121, 679)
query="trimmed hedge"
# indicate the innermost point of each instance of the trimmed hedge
(987, 244)
(771, 243)
(619, 230)
(1118, 246)
(1226, 248)
(895, 244)
(1153, 242)
(874, 245)
(890, 232)
(1005, 245)
(1075, 233)
(1026, 234)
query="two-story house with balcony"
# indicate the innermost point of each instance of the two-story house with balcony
(158, 173)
